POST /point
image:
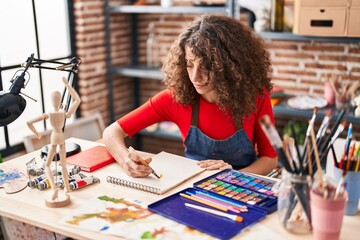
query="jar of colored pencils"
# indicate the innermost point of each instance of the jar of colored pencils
(294, 203)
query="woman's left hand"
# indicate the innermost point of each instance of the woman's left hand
(211, 164)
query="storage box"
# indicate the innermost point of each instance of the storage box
(354, 22)
(332, 18)
(321, 21)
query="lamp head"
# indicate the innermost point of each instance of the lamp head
(11, 107)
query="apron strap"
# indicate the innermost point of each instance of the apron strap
(195, 112)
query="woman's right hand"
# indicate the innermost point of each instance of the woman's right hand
(134, 167)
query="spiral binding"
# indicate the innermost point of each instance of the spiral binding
(125, 183)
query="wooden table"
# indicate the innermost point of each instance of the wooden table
(28, 205)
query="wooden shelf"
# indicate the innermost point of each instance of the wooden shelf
(166, 10)
(291, 36)
(282, 109)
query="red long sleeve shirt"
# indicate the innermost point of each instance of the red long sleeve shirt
(212, 121)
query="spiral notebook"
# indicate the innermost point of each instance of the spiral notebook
(175, 170)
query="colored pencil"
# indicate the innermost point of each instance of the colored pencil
(233, 217)
(231, 206)
(207, 203)
(350, 154)
(348, 139)
(242, 206)
(215, 201)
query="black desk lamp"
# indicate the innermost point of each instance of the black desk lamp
(12, 104)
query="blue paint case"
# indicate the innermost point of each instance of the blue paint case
(173, 206)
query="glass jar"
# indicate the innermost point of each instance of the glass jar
(294, 203)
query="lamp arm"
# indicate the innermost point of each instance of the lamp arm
(37, 63)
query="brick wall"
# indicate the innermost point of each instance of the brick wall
(298, 66)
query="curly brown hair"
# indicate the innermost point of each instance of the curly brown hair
(234, 57)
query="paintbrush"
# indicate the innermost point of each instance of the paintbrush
(288, 145)
(336, 163)
(143, 162)
(324, 125)
(299, 165)
(330, 143)
(233, 217)
(316, 152)
(334, 129)
(275, 141)
(307, 136)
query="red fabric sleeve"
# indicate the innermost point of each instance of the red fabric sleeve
(159, 108)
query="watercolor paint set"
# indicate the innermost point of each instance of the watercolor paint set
(230, 195)
(176, 207)
(241, 187)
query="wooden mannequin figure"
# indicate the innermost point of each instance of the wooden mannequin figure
(57, 120)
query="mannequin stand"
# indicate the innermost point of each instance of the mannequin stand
(62, 200)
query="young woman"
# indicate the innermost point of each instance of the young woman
(218, 89)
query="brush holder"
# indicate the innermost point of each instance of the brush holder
(293, 203)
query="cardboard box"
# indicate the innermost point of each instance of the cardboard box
(321, 21)
(330, 18)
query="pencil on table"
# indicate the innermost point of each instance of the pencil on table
(143, 162)
(233, 217)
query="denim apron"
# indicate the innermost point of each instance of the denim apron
(237, 150)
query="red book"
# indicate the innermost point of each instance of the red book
(91, 159)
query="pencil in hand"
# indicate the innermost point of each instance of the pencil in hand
(143, 162)
(233, 217)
